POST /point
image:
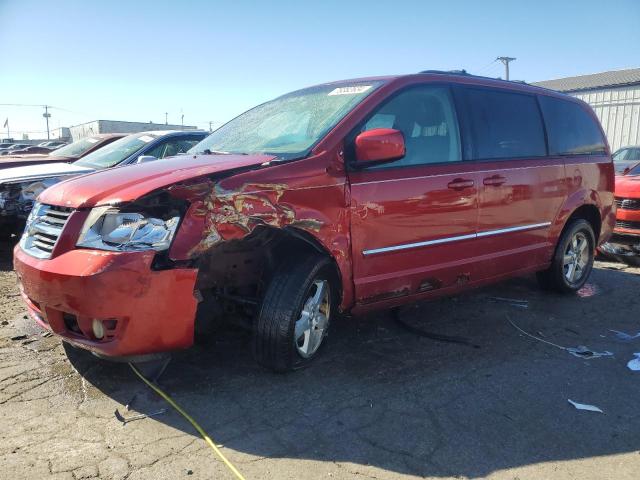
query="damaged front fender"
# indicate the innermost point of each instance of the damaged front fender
(299, 196)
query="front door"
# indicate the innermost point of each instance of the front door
(413, 221)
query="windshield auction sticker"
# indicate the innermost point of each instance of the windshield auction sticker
(145, 138)
(352, 90)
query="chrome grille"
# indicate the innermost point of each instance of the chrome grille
(44, 226)
(628, 225)
(628, 203)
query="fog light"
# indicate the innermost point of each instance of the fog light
(98, 329)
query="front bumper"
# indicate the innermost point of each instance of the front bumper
(143, 311)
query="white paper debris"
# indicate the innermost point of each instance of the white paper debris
(625, 336)
(635, 363)
(584, 406)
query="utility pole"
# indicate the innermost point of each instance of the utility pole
(210, 122)
(166, 118)
(47, 115)
(182, 121)
(505, 61)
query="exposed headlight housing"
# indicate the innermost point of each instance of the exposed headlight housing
(107, 228)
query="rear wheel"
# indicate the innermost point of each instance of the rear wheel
(573, 259)
(295, 314)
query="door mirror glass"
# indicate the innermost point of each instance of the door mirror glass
(146, 158)
(379, 145)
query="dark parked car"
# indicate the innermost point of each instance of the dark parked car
(626, 158)
(14, 146)
(20, 186)
(31, 150)
(67, 153)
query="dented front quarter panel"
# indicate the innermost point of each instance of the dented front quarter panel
(307, 195)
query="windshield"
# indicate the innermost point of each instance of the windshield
(115, 152)
(76, 149)
(289, 126)
(626, 158)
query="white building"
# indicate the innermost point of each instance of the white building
(614, 96)
(115, 126)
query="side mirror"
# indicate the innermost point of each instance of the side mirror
(146, 158)
(626, 170)
(379, 145)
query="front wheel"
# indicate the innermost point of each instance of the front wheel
(573, 260)
(295, 314)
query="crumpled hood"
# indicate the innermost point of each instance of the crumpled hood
(127, 183)
(628, 187)
(40, 172)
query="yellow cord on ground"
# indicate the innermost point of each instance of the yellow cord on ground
(200, 430)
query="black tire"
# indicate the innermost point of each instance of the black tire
(291, 286)
(555, 278)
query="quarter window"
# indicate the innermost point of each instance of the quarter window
(570, 128)
(503, 124)
(426, 117)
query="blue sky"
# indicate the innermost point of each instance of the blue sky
(210, 60)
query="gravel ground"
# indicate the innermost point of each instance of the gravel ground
(382, 402)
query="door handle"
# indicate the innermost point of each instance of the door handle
(460, 184)
(495, 181)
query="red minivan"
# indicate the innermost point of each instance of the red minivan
(344, 197)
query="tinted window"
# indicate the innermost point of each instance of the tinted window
(427, 119)
(570, 128)
(173, 146)
(635, 170)
(117, 151)
(626, 158)
(503, 124)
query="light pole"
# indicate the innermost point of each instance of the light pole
(47, 116)
(505, 61)
(166, 118)
(182, 121)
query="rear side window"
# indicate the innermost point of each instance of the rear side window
(503, 124)
(570, 128)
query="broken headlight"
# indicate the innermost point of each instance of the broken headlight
(107, 228)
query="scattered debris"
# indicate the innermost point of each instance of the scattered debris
(589, 290)
(130, 402)
(137, 417)
(584, 406)
(580, 351)
(4, 322)
(28, 341)
(514, 302)
(635, 363)
(18, 337)
(46, 334)
(583, 352)
(625, 336)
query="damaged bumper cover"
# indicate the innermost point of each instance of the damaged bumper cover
(622, 247)
(141, 311)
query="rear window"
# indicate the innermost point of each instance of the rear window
(570, 128)
(503, 124)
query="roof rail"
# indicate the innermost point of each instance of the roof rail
(465, 73)
(447, 72)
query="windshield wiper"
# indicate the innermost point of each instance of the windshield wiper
(219, 152)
